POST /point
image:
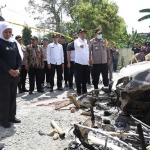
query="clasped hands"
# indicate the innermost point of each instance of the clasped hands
(14, 73)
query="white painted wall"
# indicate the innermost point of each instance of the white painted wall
(127, 54)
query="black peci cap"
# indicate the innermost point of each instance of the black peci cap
(98, 30)
(54, 35)
(62, 36)
(18, 37)
(34, 37)
(81, 30)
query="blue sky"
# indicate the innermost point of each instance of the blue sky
(128, 9)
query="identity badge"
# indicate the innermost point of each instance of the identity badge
(7, 48)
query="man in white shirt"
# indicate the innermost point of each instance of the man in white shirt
(45, 70)
(55, 60)
(81, 61)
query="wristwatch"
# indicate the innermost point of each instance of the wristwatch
(108, 58)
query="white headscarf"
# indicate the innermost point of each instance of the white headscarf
(4, 26)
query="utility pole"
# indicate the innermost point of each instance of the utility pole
(1, 18)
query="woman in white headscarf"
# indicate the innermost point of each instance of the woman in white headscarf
(10, 63)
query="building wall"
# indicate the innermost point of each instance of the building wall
(125, 53)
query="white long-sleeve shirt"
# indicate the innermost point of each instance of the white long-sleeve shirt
(81, 54)
(55, 54)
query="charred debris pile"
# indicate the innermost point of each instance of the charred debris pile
(119, 118)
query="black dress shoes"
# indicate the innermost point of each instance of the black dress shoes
(30, 92)
(71, 88)
(25, 90)
(51, 89)
(41, 91)
(20, 91)
(78, 94)
(5, 124)
(15, 120)
(66, 85)
(60, 89)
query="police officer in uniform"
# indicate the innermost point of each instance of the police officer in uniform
(99, 58)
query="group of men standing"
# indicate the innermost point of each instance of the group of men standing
(71, 59)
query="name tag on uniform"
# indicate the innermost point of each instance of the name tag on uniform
(7, 48)
(96, 46)
(52, 48)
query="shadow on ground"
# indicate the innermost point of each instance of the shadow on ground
(5, 133)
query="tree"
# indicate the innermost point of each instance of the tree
(92, 14)
(48, 12)
(88, 14)
(26, 35)
(128, 40)
(145, 17)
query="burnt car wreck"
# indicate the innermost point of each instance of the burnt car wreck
(120, 114)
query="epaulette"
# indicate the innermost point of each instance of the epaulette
(107, 43)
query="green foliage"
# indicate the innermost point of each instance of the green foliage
(48, 12)
(83, 13)
(26, 35)
(146, 16)
(92, 14)
(88, 14)
(122, 61)
(128, 40)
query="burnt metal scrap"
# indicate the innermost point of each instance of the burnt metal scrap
(125, 105)
(78, 134)
(135, 94)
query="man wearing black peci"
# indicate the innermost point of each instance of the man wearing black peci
(71, 60)
(55, 61)
(23, 71)
(66, 70)
(81, 61)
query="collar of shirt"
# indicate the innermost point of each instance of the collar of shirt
(55, 43)
(81, 39)
(34, 46)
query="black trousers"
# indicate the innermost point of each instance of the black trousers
(35, 74)
(115, 65)
(71, 73)
(81, 77)
(89, 74)
(45, 71)
(66, 73)
(8, 101)
(96, 70)
(58, 68)
(23, 74)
